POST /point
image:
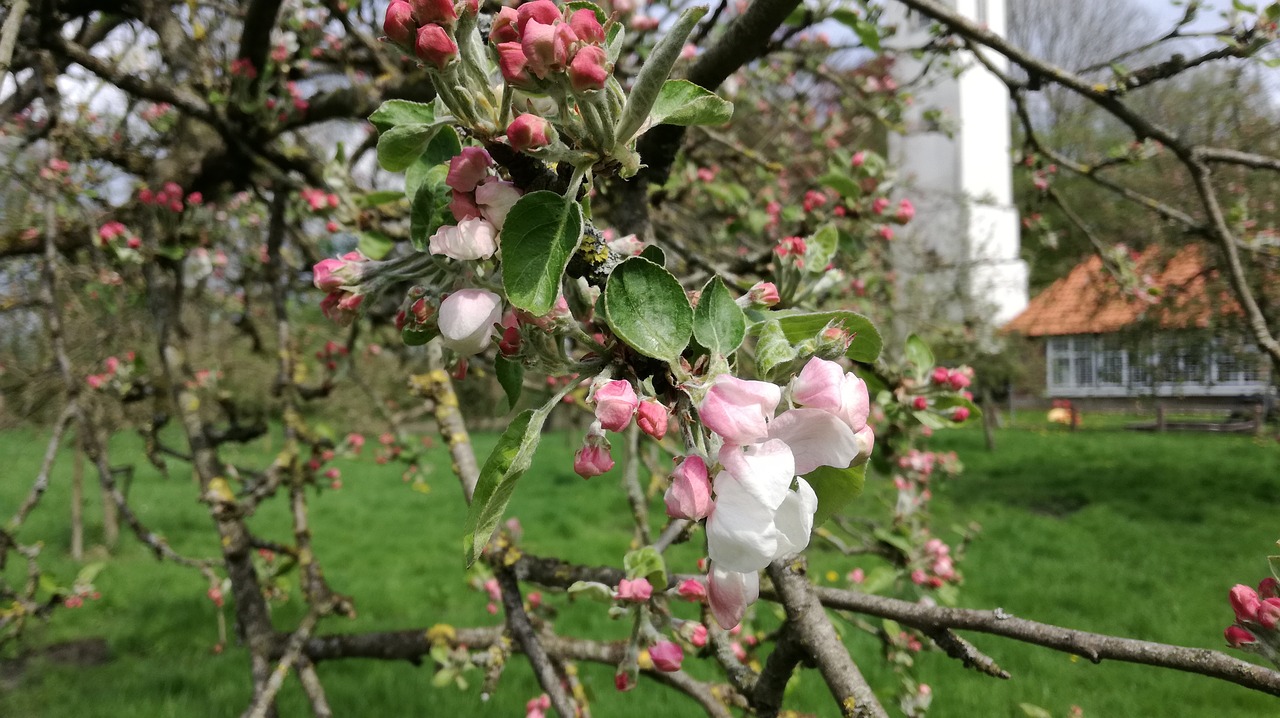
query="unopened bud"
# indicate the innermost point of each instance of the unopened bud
(435, 47)
(529, 132)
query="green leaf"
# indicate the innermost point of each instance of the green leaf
(540, 234)
(507, 462)
(394, 113)
(374, 199)
(842, 183)
(773, 349)
(681, 102)
(1034, 711)
(919, 356)
(867, 32)
(374, 245)
(866, 343)
(718, 321)
(653, 74)
(648, 564)
(654, 253)
(511, 377)
(422, 216)
(647, 308)
(399, 146)
(430, 165)
(591, 589)
(821, 248)
(416, 338)
(835, 489)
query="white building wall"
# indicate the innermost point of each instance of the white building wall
(960, 257)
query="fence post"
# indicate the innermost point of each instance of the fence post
(1160, 418)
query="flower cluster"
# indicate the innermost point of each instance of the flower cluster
(109, 231)
(170, 196)
(116, 372)
(1257, 625)
(763, 507)
(540, 49)
(340, 277)
(480, 202)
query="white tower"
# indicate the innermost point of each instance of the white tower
(960, 256)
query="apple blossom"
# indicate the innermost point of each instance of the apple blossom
(824, 384)
(816, 438)
(689, 496)
(466, 320)
(470, 239)
(504, 26)
(615, 402)
(462, 205)
(587, 26)
(543, 11)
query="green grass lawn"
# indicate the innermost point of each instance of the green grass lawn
(1123, 532)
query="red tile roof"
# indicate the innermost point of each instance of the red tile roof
(1089, 300)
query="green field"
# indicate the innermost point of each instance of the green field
(1111, 531)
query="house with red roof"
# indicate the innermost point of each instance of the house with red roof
(1158, 326)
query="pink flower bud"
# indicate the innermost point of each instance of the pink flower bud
(859, 159)
(466, 320)
(957, 379)
(468, 168)
(919, 403)
(544, 11)
(959, 414)
(512, 63)
(1244, 601)
(1238, 637)
(698, 636)
(593, 459)
(399, 24)
(1269, 613)
(546, 47)
(615, 403)
(689, 496)
(434, 11)
(825, 385)
(435, 47)
(691, 589)
(940, 376)
(505, 26)
(764, 294)
(666, 656)
(1269, 588)
(529, 132)
(587, 26)
(879, 205)
(906, 212)
(651, 416)
(637, 591)
(622, 681)
(589, 68)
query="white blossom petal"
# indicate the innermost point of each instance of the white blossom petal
(741, 535)
(764, 470)
(816, 438)
(794, 520)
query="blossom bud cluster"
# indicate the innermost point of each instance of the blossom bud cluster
(170, 196)
(480, 202)
(942, 382)
(1257, 625)
(426, 28)
(341, 278)
(916, 471)
(539, 46)
(616, 402)
(109, 231)
(114, 369)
